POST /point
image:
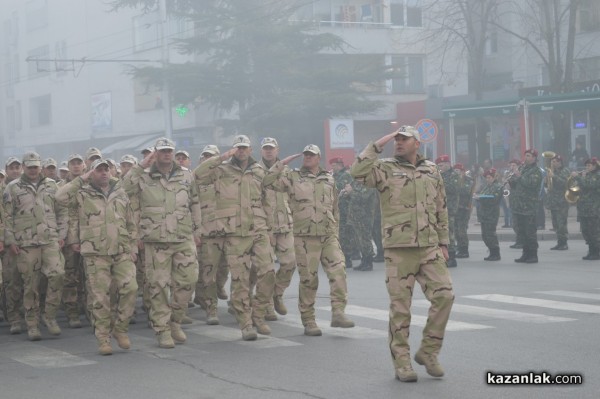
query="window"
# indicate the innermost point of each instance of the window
(40, 112)
(13, 119)
(408, 74)
(146, 31)
(406, 13)
(39, 68)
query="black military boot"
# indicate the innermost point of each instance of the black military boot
(379, 257)
(560, 246)
(348, 262)
(532, 257)
(366, 265)
(593, 254)
(451, 259)
(463, 252)
(516, 245)
(524, 256)
(494, 254)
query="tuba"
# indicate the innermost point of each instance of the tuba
(573, 191)
(548, 155)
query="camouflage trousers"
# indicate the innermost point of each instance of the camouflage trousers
(140, 277)
(559, 223)
(32, 263)
(515, 226)
(12, 293)
(426, 265)
(526, 229)
(460, 232)
(364, 239)
(310, 251)
(488, 233)
(590, 230)
(451, 233)
(171, 272)
(284, 250)
(211, 259)
(104, 274)
(72, 288)
(347, 237)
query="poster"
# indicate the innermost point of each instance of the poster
(101, 105)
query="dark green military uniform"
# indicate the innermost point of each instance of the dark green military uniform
(559, 207)
(361, 213)
(588, 211)
(346, 232)
(489, 212)
(463, 215)
(524, 200)
(451, 184)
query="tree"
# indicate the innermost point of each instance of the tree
(276, 75)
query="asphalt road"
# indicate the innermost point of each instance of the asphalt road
(507, 318)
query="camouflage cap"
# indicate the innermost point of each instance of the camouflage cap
(128, 158)
(75, 156)
(187, 154)
(49, 162)
(12, 160)
(241, 141)
(99, 162)
(269, 142)
(409, 131)
(312, 148)
(164, 143)
(93, 152)
(111, 162)
(146, 150)
(3, 172)
(32, 159)
(210, 149)
(64, 166)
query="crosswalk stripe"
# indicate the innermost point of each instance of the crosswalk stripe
(572, 294)
(379, 314)
(543, 303)
(230, 334)
(356, 332)
(39, 356)
(499, 313)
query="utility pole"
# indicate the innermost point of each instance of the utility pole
(166, 97)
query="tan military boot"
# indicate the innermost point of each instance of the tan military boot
(34, 334)
(15, 327)
(279, 305)
(52, 325)
(165, 340)
(270, 315)
(339, 319)
(406, 373)
(74, 321)
(187, 320)
(177, 333)
(104, 347)
(430, 361)
(211, 318)
(122, 340)
(249, 334)
(261, 327)
(312, 330)
(222, 294)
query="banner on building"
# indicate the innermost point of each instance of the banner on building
(101, 104)
(341, 133)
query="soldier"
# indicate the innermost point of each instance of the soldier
(524, 199)
(104, 234)
(556, 184)
(183, 159)
(112, 167)
(241, 217)
(490, 196)
(49, 169)
(314, 204)
(12, 295)
(415, 222)
(127, 162)
(2, 177)
(346, 234)
(451, 185)
(281, 230)
(513, 167)
(169, 213)
(36, 229)
(91, 155)
(361, 213)
(588, 206)
(63, 170)
(466, 187)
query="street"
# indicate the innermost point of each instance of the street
(507, 318)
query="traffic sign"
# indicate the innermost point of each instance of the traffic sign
(427, 129)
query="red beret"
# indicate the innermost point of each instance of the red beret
(336, 160)
(442, 158)
(592, 160)
(516, 161)
(532, 152)
(459, 166)
(489, 172)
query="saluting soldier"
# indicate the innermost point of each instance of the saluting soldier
(556, 184)
(525, 187)
(452, 187)
(463, 214)
(588, 206)
(490, 196)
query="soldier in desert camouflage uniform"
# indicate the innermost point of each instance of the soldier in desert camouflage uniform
(169, 215)
(314, 204)
(415, 230)
(35, 232)
(103, 232)
(241, 217)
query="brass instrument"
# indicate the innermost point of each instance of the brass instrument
(506, 191)
(573, 190)
(548, 155)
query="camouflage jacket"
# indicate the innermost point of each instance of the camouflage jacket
(102, 224)
(32, 215)
(342, 178)
(525, 190)
(278, 209)
(465, 193)
(167, 206)
(362, 204)
(555, 197)
(239, 196)
(589, 200)
(452, 187)
(489, 208)
(312, 198)
(413, 199)
(208, 199)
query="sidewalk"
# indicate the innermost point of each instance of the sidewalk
(508, 234)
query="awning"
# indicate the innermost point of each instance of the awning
(563, 102)
(136, 143)
(481, 108)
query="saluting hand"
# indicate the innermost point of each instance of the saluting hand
(228, 154)
(289, 159)
(386, 139)
(86, 176)
(149, 160)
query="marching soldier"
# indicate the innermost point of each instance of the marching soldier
(490, 196)
(556, 184)
(415, 222)
(313, 200)
(588, 206)
(463, 214)
(451, 185)
(346, 234)
(524, 199)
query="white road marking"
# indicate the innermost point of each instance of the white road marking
(572, 294)
(356, 332)
(543, 303)
(230, 334)
(38, 356)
